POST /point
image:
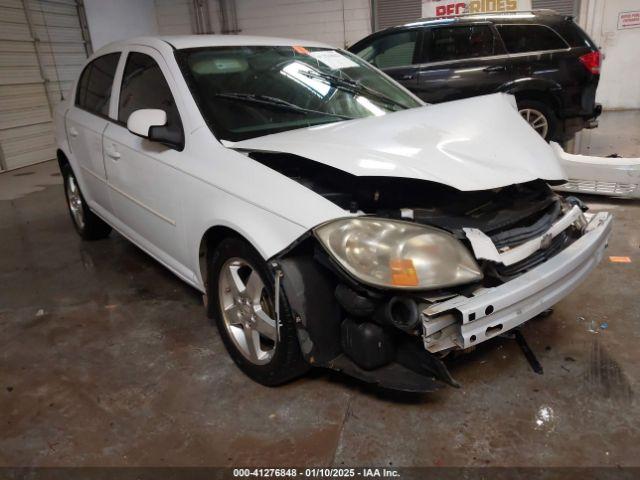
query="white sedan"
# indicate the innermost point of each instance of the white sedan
(329, 217)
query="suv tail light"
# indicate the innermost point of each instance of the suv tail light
(591, 61)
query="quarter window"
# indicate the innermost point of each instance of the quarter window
(394, 50)
(529, 38)
(144, 86)
(455, 43)
(94, 88)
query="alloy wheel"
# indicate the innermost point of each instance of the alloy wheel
(75, 201)
(248, 311)
(537, 120)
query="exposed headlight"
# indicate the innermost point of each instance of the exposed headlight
(397, 254)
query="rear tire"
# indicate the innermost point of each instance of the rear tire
(241, 294)
(540, 116)
(88, 225)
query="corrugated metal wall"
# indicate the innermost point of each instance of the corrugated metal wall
(565, 7)
(42, 48)
(337, 22)
(174, 17)
(389, 13)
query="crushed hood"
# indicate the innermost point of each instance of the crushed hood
(473, 144)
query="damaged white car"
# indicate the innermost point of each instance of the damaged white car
(328, 216)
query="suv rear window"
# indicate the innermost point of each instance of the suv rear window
(393, 50)
(530, 38)
(94, 87)
(454, 43)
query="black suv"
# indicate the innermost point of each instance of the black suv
(547, 61)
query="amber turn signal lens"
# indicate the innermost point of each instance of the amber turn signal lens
(403, 273)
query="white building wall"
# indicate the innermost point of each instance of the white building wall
(619, 86)
(111, 20)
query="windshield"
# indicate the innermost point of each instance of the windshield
(250, 91)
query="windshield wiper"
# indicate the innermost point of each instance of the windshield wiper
(277, 102)
(352, 86)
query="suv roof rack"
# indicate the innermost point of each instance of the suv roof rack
(539, 11)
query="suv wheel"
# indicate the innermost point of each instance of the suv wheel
(88, 225)
(241, 290)
(540, 116)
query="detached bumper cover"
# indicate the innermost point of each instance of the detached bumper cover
(468, 321)
(619, 177)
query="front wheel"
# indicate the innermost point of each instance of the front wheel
(242, 295)
(540, 116)
(88, 225)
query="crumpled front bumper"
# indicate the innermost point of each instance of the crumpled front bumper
(462, 322)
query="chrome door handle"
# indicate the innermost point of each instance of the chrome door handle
(409, 76)
(113, 153)
(73, 132)
(495, 68)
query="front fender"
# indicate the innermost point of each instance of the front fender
(269, 233)
(225, 188)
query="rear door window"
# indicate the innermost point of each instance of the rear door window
(94, 88)
(456, 43)
(530, 38)
(393, 50)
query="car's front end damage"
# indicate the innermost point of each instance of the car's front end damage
(524, 259)
(440, 262)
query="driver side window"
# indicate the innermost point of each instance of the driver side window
(393, 50)
(144, 86)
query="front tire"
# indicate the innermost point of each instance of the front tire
(88, 225)
(241, 296)
(540, 116)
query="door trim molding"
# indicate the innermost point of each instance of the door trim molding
(126, 195)
(140, 204)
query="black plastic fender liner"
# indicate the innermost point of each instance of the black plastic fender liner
(309, 289)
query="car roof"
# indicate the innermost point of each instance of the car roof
(517, 16)
(197, 41)
(543, 16)
(194, 41)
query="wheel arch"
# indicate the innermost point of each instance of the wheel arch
(542, 90)
(265, 241)
(209, 240)
(62, 158)
(540, 96)
(67, 160)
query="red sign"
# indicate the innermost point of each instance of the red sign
(448, 8)
(628, 20)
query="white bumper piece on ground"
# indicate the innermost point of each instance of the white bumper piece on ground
(462, 322)
(619, 177)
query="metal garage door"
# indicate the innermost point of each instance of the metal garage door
(565, 7)
(174, 17)
(42, 48)
(389, 13)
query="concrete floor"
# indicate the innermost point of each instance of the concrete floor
(107, 359)
(618, 132)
